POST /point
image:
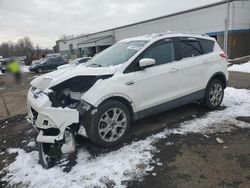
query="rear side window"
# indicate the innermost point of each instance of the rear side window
(189, 48)
(206, 45)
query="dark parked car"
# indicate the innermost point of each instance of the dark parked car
(2, 66)
(47, 65)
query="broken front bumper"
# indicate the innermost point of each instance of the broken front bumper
(50, 122)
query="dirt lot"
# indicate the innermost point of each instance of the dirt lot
(192, 160)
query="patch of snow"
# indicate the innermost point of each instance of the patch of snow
(25, 68)
(12, 150)
(117, 166)
(47, 91)
(32, 144)
(28, 120)
(40, 96)
(130, 162)
(139, 38)
(219, 140)
(159, 164)
(241, 67)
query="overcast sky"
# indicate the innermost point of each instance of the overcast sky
(44, 21)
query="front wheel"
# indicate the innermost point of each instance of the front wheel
(214, 94)
(110, 124)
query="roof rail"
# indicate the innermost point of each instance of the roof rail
(180, 32)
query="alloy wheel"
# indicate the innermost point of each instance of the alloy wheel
(112, 124)
(216, 94)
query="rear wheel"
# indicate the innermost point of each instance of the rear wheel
(110, 124)
(214, 94)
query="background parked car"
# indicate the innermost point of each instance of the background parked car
(2, 66)
(35, 62)
(48, 64)
(75, 62)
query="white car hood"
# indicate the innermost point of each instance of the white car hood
(54, 78)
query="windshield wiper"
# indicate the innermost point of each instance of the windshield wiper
(96, 65)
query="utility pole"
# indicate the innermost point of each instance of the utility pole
(226, 27)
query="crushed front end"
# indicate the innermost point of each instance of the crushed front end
(57, 114)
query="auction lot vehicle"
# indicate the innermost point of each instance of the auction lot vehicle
(134, 78)
(75, 62)
(47, 64)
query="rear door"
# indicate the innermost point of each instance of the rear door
(194, 65)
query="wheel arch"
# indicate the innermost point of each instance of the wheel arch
(123, 100)
(220, 76)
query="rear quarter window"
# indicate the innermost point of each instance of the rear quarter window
(206, 45)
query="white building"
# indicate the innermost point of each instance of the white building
(209, 19)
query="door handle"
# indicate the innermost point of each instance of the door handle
(173, 70)
(129, 83)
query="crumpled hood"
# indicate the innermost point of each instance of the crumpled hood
(51, 79)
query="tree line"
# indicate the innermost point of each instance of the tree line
(23, 47)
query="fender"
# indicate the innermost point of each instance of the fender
(112, 95)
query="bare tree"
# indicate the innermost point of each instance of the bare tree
(25, 48)
(65, 36)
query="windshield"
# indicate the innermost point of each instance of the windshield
(116, 54)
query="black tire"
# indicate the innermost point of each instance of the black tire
(44, 159)
(210, 102)
(93, 127)
(40, 70)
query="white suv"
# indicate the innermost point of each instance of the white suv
(134, 78)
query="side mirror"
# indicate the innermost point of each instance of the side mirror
(146, 62)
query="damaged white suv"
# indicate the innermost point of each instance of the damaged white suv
(134, 78)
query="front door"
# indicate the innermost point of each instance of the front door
(162, 82)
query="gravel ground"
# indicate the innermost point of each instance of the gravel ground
(193, 160)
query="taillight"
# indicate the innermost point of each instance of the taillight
(224, 55)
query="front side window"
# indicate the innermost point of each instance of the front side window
(162, 53)
(116, 54)
(189, 48)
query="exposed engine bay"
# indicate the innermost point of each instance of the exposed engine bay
(68, 93)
